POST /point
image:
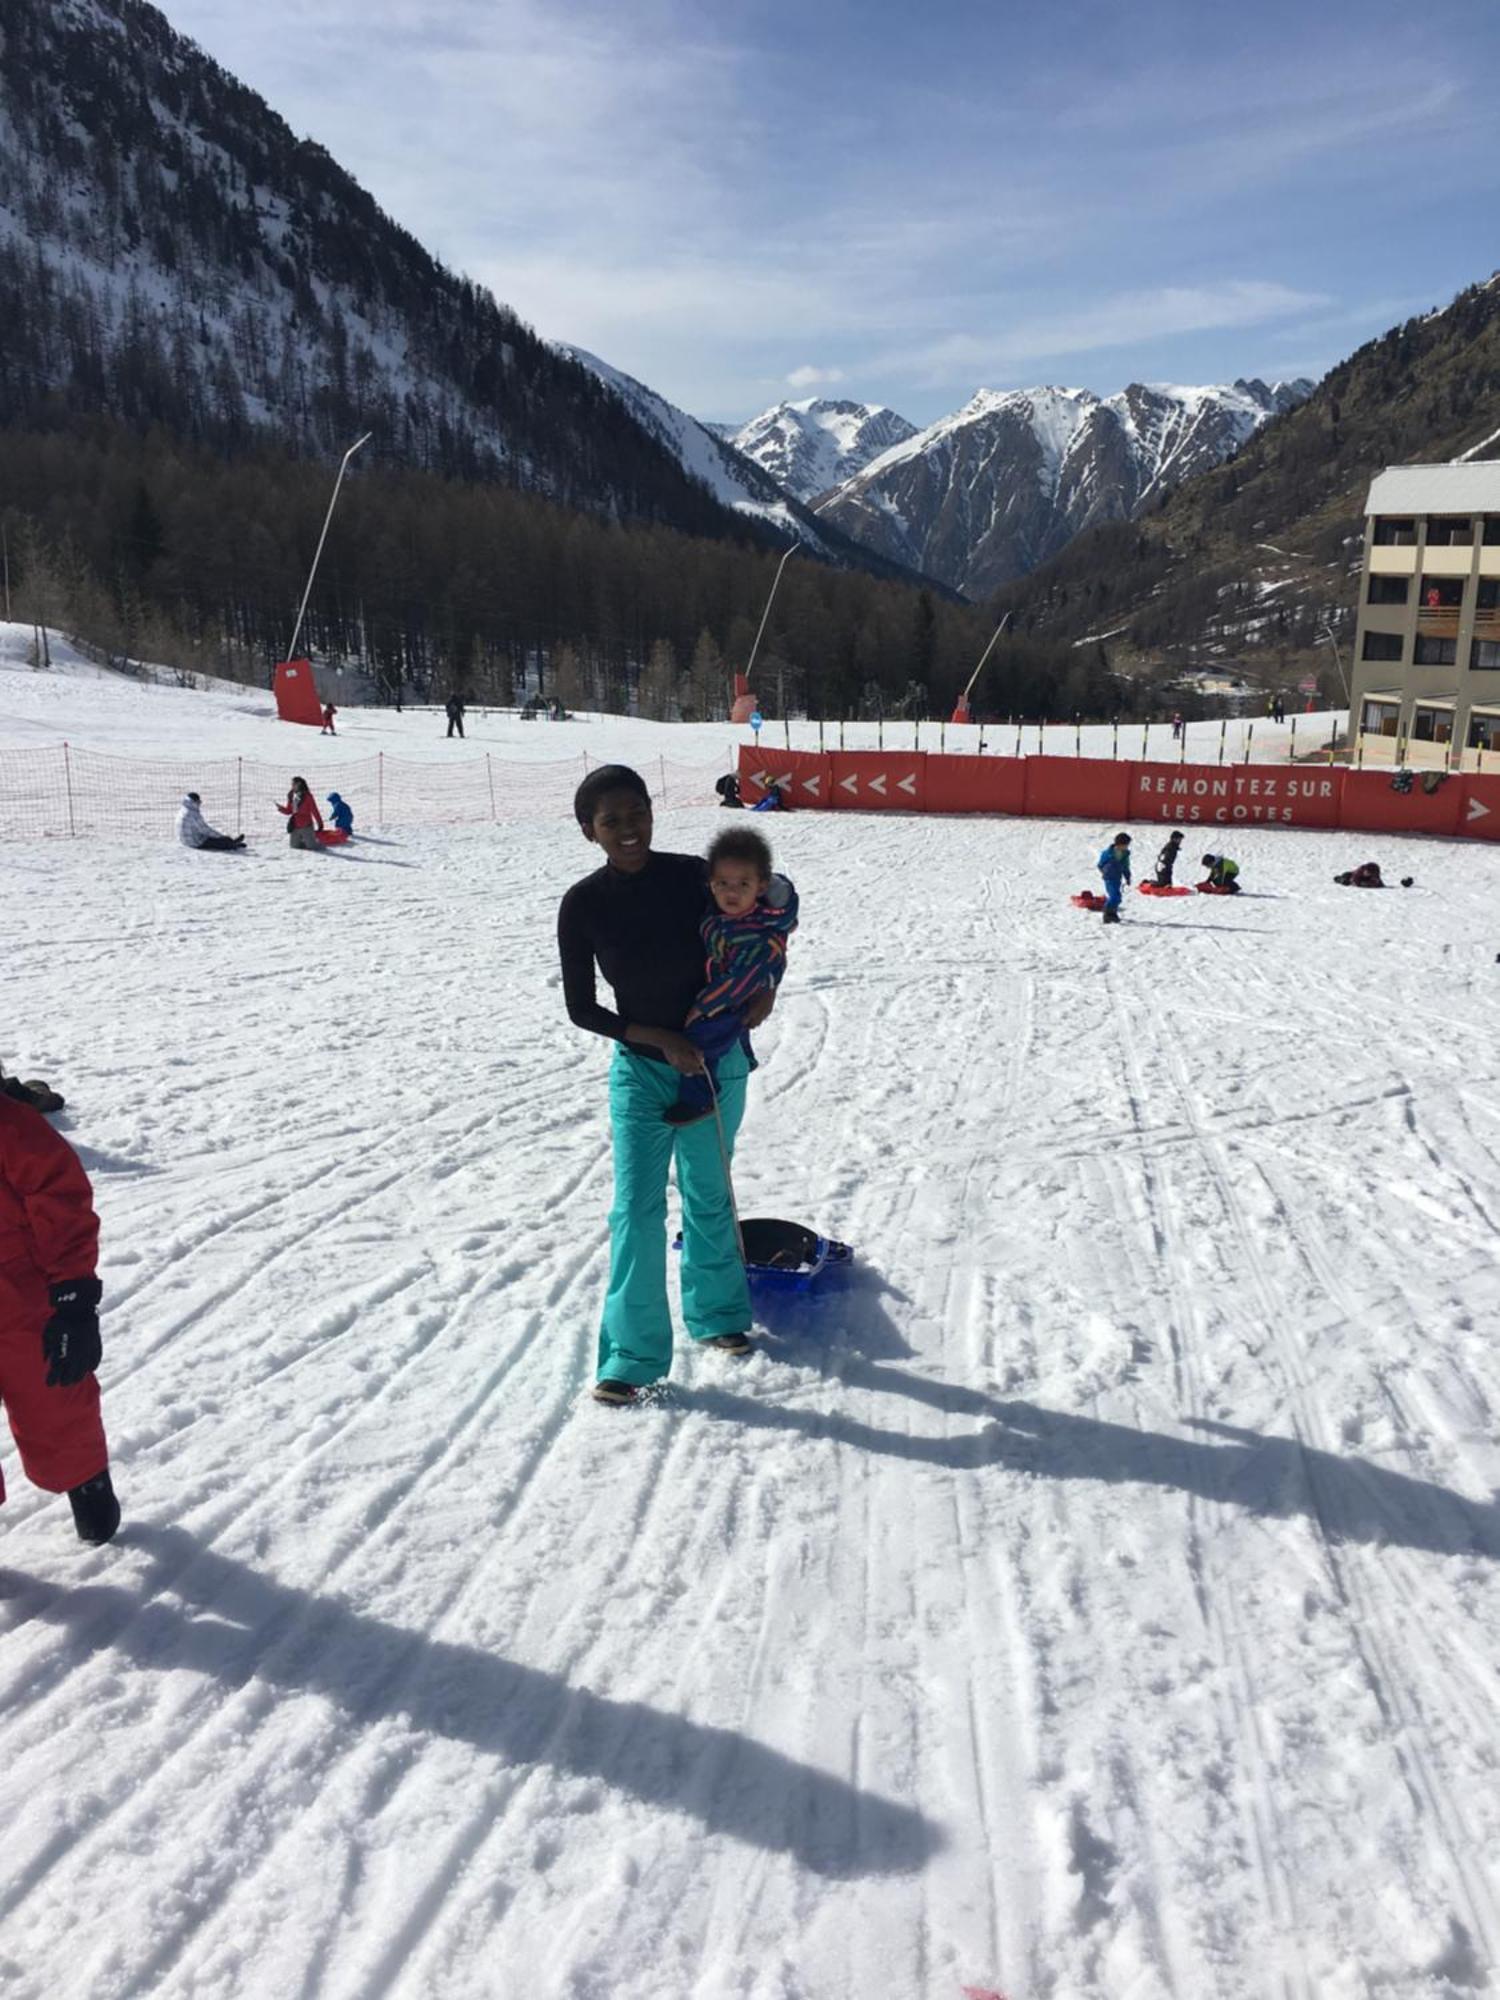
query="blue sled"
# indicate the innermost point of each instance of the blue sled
(787, 1256)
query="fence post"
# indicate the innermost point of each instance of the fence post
(942, 738)
(489, 772)
(1249, 739)
(786, 725)
(820, 735)
(1223, 733)
(380, 788)
(585, 763)
(68, 782)
(1114, 738)
(1145, 742)
(841, 732)
(1291, 755)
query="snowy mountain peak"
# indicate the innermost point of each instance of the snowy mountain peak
(817, 443)
(989, 492)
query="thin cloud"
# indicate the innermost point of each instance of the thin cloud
(1120, 321)
(809, 378)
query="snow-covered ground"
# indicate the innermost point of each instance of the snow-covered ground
(1095, 1595)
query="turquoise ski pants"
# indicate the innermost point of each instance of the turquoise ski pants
(635, 1334)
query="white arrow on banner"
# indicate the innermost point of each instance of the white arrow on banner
(811, 785)
(908, 784)
(761, 778)
(848, 784)
(878, 784)
(1477, 811)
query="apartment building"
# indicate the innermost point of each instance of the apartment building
(1426, 686)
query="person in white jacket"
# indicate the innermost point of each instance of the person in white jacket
(193, 830)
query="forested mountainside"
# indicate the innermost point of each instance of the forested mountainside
(171, 253)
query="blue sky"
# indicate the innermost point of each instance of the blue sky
(753, 200)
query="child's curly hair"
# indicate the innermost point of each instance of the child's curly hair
(741, 843)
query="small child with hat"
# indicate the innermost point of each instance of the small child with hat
(1114, 866)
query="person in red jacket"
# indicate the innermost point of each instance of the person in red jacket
(304, 821)
(329, 712)
(49, 1319)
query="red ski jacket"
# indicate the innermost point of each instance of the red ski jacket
(306, 814)
(48, 1228)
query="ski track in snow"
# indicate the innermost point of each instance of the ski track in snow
(1093, 1594)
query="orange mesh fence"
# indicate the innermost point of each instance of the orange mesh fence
(63, 793)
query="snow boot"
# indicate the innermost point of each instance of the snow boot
(615, 1395)
(1111, 914)
(96, 1511)
(737, 1344)
(687, 1114)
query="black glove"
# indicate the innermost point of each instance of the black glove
(70, 1339)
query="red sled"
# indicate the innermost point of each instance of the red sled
(331, 837)
(1087, 900)
(1171, 889)
(1215, 889)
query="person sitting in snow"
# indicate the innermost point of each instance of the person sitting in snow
(1365, 876)
(341, 814)
(1166, 861)
(303, 820)
(1223, 874)
(1114, 866)
(744, 936)
(49, 1319)
(193, 830)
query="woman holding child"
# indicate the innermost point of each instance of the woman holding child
(638, 920)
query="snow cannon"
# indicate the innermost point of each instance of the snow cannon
(745, 703)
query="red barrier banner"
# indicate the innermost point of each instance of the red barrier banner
(1077, 788)
(1479, 814)
(878, 780)
(801, 776)
(1237, 794)
(975, 784)
(297, 693)
(1372, 804)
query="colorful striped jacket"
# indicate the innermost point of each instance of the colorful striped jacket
(746, 954)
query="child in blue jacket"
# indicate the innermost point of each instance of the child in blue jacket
(1114, 866)
(340, 814)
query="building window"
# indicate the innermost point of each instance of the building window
(1394, 534)
(1484, 731)
(1441, 593)
(1487, 597)
(1484, 656)
(1492, 530)
(1432, 725)
(1447, 531)
(1435, 652)
(1382, 646)
(1381, 718)
(1389, 590)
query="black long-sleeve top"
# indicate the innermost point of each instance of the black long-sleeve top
(642, 931)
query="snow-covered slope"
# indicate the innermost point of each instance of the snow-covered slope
(1097, 1596)
(735, 479)
(988, 493)
(809, 447)
(726, 472)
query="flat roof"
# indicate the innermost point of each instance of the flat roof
(1436, 489)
